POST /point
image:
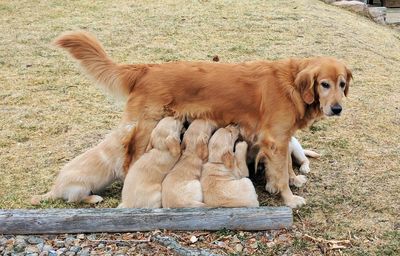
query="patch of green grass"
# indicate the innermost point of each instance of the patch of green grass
(392, 244)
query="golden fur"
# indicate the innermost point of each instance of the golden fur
(270, 100)
(142, 185)
(91, 171)
(224, 183)
(181, 187)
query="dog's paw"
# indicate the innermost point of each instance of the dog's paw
(271, 188)
(92, 199)
(298, 181)
(295, 201)
(304, 168)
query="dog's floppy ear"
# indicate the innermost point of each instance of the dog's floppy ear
(202, 146)
(305, 81)
(173, 145)
(348, 78)
(228, 159)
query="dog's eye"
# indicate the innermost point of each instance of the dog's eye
(325, 85)
(342, 84)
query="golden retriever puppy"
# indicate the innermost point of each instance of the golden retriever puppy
(91, 171)
(181, 187)
(142, 185)
(299, 155)
(269, 100)
(224, 183)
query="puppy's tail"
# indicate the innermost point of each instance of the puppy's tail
(117, 79)
(311, 153)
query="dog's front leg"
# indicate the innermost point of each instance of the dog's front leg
(277, 175)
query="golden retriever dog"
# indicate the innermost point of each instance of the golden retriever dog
(269, 100)
(181, 187)
(224, 183)
(142, 185)
(91, 171)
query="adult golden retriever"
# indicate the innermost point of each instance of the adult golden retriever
(270, 100)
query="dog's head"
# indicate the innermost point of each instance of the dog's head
(166, 136)
(221, 145)
(326, 81)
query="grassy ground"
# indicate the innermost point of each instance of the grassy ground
(51, 113)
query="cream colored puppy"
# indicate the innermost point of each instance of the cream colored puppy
(223, 177)
(91, 171)
(142, 186)
(300, 155)
(181, 187)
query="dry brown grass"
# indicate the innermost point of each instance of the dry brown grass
(51, 113)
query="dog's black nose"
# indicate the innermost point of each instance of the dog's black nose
(336, 109)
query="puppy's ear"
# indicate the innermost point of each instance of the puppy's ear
(348, 78)
(173, 145)
(202, 147)
(149, 146)
(305, 81)
(228, 159)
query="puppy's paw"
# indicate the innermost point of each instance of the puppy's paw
(271, 188)
(295, 201)
(121, 206)
(298, 181)
(304, 168)
(92, 199)
(35, 200)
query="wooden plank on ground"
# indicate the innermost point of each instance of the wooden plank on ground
(53, 221)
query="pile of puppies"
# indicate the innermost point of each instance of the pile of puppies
(206, 170)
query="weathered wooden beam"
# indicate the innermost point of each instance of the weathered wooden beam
(52, 221)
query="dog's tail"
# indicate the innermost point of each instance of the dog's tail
(117, 79)
(311, 153)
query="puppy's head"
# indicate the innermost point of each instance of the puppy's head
(196, 137)
(166, 136)
(326, 81)
(221, 145)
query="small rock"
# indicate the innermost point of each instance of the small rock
(101, 246)
(35, 240)
(254, 245)
(69, 241)
(47, 248)
(220, 244)
(44, 254)
(354, 6)
(59, 244)
(193, 239)
(69, 253)
(19, 247)
(91, 237)
(32, 254)
(75, 249)
(80, 236)
(235, 239)
(84, 252)
(52, 253)
(32, 249)
(238, 247)
(61, 251)
(3, 241)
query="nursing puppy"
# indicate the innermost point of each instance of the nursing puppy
(91, 171)
(299, 155)
(223, 178)
(142, 186)
(181, 187)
